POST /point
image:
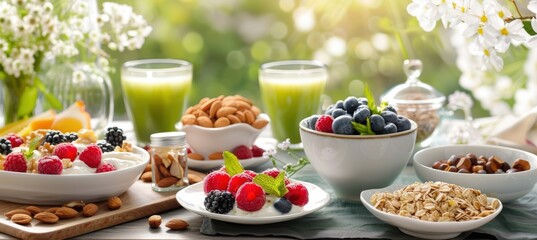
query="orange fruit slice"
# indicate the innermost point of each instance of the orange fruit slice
(23, 125)
(72, 118)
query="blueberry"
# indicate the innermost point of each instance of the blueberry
(338, 112)
(339, 104)
(389, 116)
(362, 101)
(329, 111)
(391, 109)
(390, 128)
(343, 125)
(377, 123)
(283, 205)
(361, 115)
(351, 103)
(312, 121)
(402, 124)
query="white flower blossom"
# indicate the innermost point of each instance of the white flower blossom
(460, 100)
(284, 145)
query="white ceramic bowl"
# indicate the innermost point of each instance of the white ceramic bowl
(506, 187)
(205, 141)
(421, 228)
(41, 189)
(353, 163)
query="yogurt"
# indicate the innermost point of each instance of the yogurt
(119, 159)
(267, 210)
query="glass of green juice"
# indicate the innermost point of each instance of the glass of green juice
(155, 92)
(291, 91)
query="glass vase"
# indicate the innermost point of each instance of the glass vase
(70, 82)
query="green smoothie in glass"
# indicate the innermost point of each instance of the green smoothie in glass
(291, 91)
(155, 93)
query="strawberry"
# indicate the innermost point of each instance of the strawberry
(91, 155)
(15, 140)
(324, 124)
(217, 180)
(15, 162)
(66, 150)
(243, 152)
(237, 181)
(50, 165)
(105, 167)
(250, 197)
(257, 151)
(297, 194)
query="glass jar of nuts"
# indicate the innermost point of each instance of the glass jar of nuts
(169, 161)
(418, 101)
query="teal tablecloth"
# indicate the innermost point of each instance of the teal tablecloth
(341, 219)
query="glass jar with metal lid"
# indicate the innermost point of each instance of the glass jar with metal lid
(169, 161)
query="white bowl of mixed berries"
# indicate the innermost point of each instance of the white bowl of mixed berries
(49, 167)
(356, 145)
(236, 195)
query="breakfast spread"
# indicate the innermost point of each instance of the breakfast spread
(359, 116)
(235, 191)
(470, 163)
(54, 152)
(436, 202)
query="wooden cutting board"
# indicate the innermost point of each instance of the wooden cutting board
(139, 201)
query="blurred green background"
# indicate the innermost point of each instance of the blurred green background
(361, 41)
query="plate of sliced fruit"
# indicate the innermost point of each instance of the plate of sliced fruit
(235, 195)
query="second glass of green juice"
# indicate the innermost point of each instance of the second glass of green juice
(291, 91)
(155, 93)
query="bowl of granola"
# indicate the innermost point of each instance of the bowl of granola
(48, 171)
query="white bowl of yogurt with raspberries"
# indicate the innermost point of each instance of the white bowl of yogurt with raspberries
(54, 168)
(236, 195)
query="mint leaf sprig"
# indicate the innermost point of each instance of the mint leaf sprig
(275, 186)
(373, 108)
(289, 168)
(35, 142)
(232, 164)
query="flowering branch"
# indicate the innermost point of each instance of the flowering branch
(290, 169)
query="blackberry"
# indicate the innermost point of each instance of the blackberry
(55, 137)
(114, 136)
(219, 201)
(5, 146)
(71, 137)
(106, 147)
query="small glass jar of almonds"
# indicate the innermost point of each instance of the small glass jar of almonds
(168, 161)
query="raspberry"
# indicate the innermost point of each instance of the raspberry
(105, 167)
(243, 152)
(324, 124)
(250, 172)
(216, 180)
(257, 151)
(274, 172)
(14, 139)
(91, 156)
(250, 197)
(297, 195)
(237, 181)
(15, 162)
(219, 201)
(66, 150)
(50, 165)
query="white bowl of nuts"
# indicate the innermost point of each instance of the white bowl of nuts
(500, 172)
(221, 124)
(431, 210)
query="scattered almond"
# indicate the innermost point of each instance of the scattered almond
(215, 156)
(22, 219)
(194, 178)
(89, 210)
(46, 217)
(195, 156)
(147, 168)
(52, 209)
(77, 205)
(34, 210)
(66, 213)
(147, 177)
(114, 203)
(167, 182)
(177, 224)
(17, 211)
(154, 221)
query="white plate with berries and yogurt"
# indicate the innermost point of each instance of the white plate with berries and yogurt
(54, 168)
(235, 195)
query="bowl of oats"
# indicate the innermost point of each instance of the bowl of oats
(54, 168)
(431, 210)
(500, 172)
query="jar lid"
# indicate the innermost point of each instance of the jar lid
(168, 138)
(413, 91)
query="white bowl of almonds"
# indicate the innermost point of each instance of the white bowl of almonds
(431, 210)
(221, 124)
